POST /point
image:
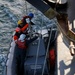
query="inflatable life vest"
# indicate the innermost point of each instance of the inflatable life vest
(52, 58)
(21, 45)
(24, 28)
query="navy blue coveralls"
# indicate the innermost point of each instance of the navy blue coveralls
(19, 57)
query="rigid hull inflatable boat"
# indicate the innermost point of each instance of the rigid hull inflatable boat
(38, 56)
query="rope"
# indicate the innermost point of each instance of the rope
(26, 7)
(47, 51)
(38, 50)
(30, 28)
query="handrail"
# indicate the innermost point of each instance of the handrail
(38, 49)
(47, 51)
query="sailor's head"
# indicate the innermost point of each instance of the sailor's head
(22, 37)
(20, 23)
(31, 15)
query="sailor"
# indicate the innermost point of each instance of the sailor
(23, 42)
(25, 22)
(28, 19)
(20, 52)
(20, 30)
(22, 25)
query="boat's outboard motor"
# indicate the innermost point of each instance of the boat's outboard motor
(30, 61)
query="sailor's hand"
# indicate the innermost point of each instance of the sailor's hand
(37, 34)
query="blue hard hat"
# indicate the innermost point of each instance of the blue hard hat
(31, 15)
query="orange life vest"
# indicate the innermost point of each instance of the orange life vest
(21, 45)
(24, 28)
(15, 37)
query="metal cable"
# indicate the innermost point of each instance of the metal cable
(47, 51)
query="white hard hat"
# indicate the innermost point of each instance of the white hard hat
(22, 37)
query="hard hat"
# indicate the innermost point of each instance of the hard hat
(19, 22)
(31, 15)
(22, 37)
(17, 29)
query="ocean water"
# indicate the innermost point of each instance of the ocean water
(10, 12)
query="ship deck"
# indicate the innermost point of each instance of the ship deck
(65, 62)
